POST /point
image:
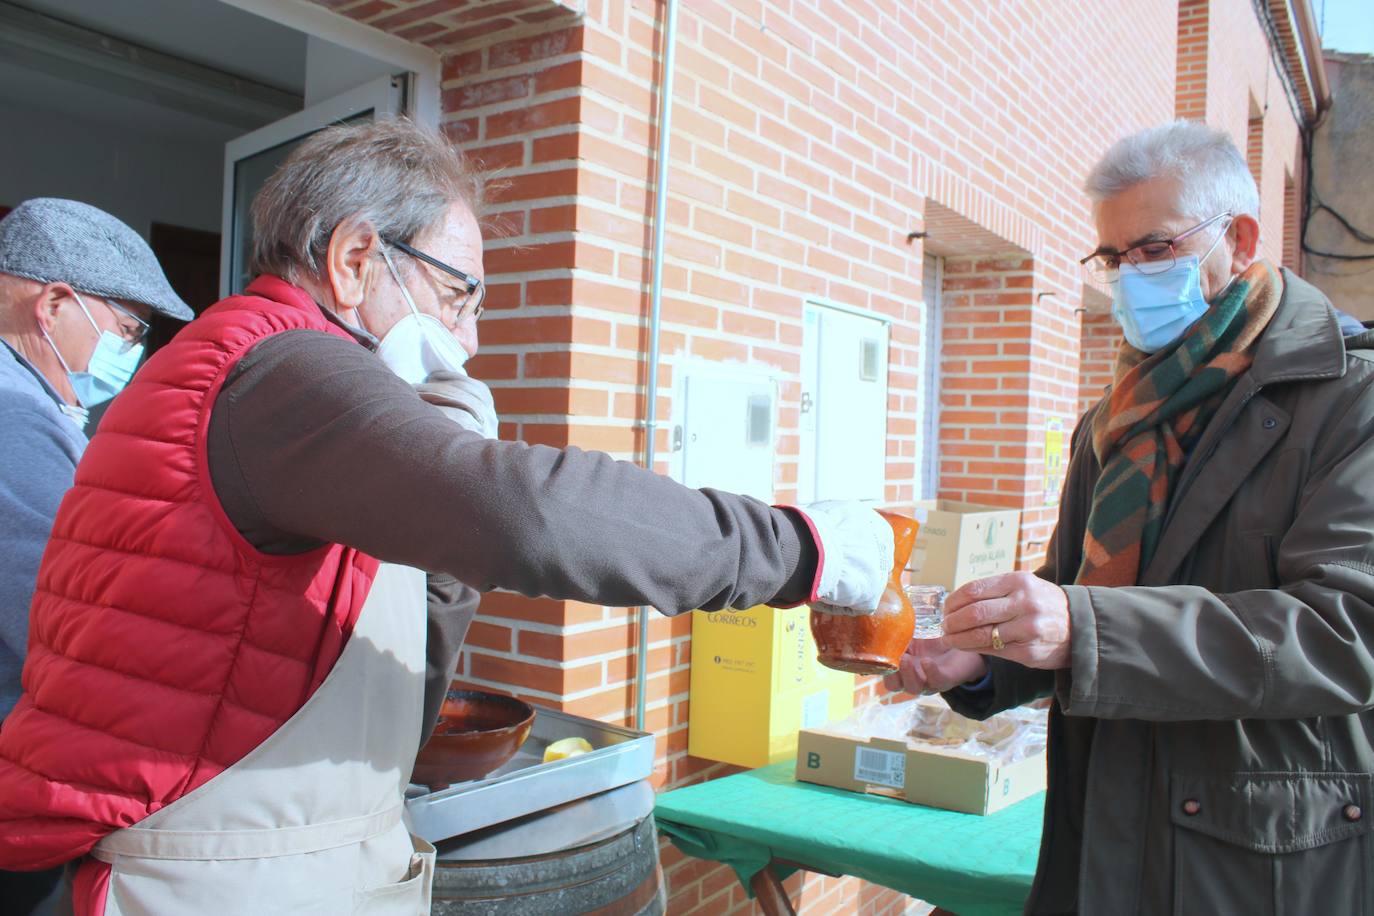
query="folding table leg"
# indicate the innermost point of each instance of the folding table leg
(769, 892)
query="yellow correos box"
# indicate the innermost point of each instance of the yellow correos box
(756, 682)
(959, 542)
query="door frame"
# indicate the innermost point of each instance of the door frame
(384, 95)
(931, 374)
(313, 19)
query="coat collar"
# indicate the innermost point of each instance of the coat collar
(1302, 343)
(1303, 340)
(287, 293)
(39, 377)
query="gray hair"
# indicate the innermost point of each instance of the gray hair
(1211, 172)
(392, 173)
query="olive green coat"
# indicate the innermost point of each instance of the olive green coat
(1212, 745)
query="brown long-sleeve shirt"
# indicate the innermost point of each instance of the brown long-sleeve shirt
(313, 440)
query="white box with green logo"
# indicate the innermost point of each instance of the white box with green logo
(959, 542)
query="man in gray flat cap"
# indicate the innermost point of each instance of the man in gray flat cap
(77, 290)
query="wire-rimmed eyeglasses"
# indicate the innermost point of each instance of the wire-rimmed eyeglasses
(1151, 256)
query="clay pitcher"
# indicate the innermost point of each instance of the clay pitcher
(872, 644)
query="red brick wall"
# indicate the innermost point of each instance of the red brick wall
(1254, 146)
(1235, 79)
(1191, 94)
(1101, 339)
(701, 888)
(809, 139)
(444, 24)
(987, 357)
(1292, 224)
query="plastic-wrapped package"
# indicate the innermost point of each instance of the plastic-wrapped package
(1006, 737)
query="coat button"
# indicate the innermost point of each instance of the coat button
(1270, 422)
(1352, 812)
(1192, 806)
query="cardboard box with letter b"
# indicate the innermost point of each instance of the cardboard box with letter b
(959, 542)
(917, 771)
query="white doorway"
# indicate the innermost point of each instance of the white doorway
(251, 159)
(844, 405)
(928, 398)
(133, 106)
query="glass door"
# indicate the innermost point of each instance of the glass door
(249, 161)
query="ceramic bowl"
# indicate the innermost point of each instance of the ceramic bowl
(476, 734)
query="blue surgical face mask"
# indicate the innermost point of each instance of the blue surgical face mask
(109, 369)
(1156, 310)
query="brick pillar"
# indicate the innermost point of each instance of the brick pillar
(515, 106)
(1010, 364)
(1191, 98)
(1097, 356)
(1254, 146)
(1292, 225)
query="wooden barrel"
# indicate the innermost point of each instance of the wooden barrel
(618, 876)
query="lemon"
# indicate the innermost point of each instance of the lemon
(565, 748)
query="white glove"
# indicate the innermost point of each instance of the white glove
(856, 548)
(463, 399)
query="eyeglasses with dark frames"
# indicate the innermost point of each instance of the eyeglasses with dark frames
(476, 289)
(1150, 257)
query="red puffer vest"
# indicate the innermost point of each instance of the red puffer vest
(162, 646)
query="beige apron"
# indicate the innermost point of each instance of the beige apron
(309, 821)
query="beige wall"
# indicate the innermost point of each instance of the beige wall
(1342, 170)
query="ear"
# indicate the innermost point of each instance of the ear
(1245, 231)
(350, 262)
(48, 300)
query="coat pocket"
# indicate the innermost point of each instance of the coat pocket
(1271, 843)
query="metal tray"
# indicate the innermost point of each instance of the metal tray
(525, 784)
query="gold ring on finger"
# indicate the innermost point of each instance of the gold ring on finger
(997, 644)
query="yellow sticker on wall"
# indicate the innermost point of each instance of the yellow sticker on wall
(1054, 460)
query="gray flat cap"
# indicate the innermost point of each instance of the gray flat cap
(52, 240)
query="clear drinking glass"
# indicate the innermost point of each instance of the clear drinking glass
(928, 601)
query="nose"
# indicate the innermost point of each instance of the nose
(466, 332)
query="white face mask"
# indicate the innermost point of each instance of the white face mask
(418, 344)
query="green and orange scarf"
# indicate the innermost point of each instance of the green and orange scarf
(1158, 408)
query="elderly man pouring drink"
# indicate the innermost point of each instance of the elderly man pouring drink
(226, 674)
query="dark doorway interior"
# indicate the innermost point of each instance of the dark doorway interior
(190, 258)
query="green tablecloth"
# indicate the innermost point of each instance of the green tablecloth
(965, 863)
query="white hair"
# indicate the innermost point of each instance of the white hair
(1211, 172)
(394, 174)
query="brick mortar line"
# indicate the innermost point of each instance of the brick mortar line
(787, 155)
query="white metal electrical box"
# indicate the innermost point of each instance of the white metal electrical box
(725, 435)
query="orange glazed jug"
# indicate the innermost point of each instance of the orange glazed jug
(872, 644)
